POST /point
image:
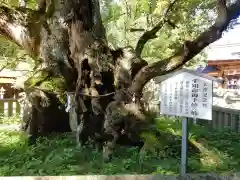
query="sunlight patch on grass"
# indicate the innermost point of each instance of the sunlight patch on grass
(176, 132)
(10, 120)
(57, 155)
(11, 139)
(211, 158)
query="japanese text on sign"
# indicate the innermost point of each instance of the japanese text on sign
(187, 95)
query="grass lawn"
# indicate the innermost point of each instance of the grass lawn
(211, 151)
(9, 120)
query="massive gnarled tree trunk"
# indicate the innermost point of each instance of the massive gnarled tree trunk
(67, 38)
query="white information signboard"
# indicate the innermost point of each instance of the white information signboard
(187, 95)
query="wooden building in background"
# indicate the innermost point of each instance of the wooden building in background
(222, 68)
(224, 63)
(7, 79)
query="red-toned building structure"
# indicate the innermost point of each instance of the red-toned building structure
(224, 62)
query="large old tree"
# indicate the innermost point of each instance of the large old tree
(68, 42)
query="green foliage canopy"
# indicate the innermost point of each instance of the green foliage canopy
(126, 21)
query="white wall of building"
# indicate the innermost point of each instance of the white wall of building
(228, 47)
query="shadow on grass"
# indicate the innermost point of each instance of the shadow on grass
(209, 151)
(219, 149)
(58, 155)
(222, 148)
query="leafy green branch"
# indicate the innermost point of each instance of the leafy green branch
(151, 34)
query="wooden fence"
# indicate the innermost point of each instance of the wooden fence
(10, 107)
(223, 118)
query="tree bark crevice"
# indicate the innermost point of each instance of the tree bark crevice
(22, 26)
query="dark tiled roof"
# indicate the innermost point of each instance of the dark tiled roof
(208, 69)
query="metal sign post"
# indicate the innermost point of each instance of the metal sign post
(184, 149)
(186, 94)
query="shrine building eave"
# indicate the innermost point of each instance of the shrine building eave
(224, 62)
(160, 79)
(8, 76)
(7, 80)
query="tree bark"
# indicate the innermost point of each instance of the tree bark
(46, 41)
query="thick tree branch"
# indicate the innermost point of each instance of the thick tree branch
(98, 29)
(189, 49)
(21, 26)
(46, 42)
(151, 34)
(136, 30)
